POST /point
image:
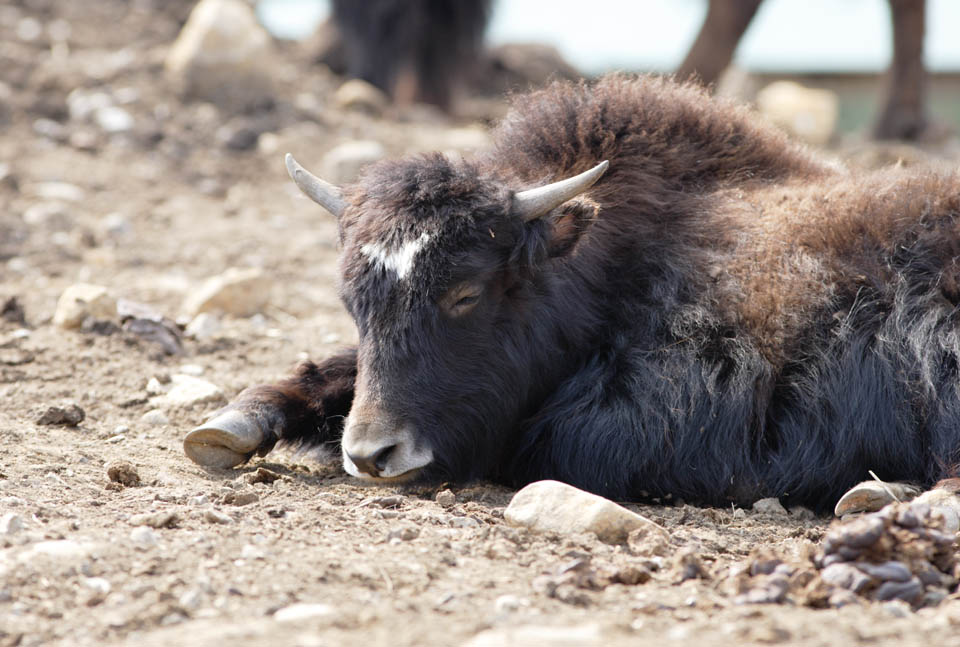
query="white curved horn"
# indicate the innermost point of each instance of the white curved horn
(327, 195)
(533, 203)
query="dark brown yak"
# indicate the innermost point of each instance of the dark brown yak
(721, 317)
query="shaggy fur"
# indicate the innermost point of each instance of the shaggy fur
(723, 317)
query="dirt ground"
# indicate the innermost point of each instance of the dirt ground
(286, 550)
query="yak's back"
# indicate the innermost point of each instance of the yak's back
(657, 134)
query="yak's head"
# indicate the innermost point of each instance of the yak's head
(442, 268)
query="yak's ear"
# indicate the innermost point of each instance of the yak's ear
(567, 223)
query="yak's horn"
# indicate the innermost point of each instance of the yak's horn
(533, 203)
(327, 195)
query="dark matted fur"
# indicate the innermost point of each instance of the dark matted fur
(722, 317)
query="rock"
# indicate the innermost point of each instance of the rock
(237, 292)
(164, 519)
(57, 550)
(188, 391)
(123, 472)
(587, 635)
(83, 300)
(202, 327)
(446, 498)
(13, 311)
(303, 611)
(770, 506)
(806, 113)
(262, 475)
(11, 523)
(155, 417)
(238, 136)
(509, 603)
(224, 56)
(114, 119)
(846, 576)
(215, 516)
(404, 533)
(342, 163)
(359, 95)
(143, 537)
(241, 498)
(70, 415)
(63, 191)
(557, 507)
(164, 333)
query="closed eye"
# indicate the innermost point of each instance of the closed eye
(461, 298)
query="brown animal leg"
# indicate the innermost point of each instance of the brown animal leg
(307, 408)
(904, 116)
(713, 50)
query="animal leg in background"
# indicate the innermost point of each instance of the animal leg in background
(307, 409)
(904, 115)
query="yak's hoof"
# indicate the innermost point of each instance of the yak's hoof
(871, 496)
(225, 441)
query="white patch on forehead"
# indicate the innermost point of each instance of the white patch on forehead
(396, 258)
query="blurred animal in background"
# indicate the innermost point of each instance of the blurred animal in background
(641, 291)
(904, 113)
(414, 50)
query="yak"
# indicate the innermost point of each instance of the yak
(641, 291)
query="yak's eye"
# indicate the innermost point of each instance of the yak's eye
(461, 298)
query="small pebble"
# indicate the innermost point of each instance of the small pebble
(166, 519)
(155, 417)
(446, 498)
(771, 505)
(143, 537)
(123, 472)
(10, 523)
(215, 516)
(70, 415)
(406, 533)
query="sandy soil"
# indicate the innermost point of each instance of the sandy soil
(286, 550)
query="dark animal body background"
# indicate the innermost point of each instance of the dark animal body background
(723, 317)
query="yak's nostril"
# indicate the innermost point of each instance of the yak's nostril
(381, 457)
(375, 463)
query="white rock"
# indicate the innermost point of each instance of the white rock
(357, 94)
(58, 191)
(342, 164)
(587, 635)
(96, 584)
(113, 119)
(60, 550)
(191, 369)
(224, 56)
(249, 551)
(215, 516)
(237, 292)
(82, 103)
(510, 603)
(10, 523)
(191, 600)
(83, 300)
(770, 506)
(187, 391)
(203, 326)
(552, 506)
(303, 611)
(46, 213)
(806, 113)
(154, 387)
(143, 537)
(155, 417)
